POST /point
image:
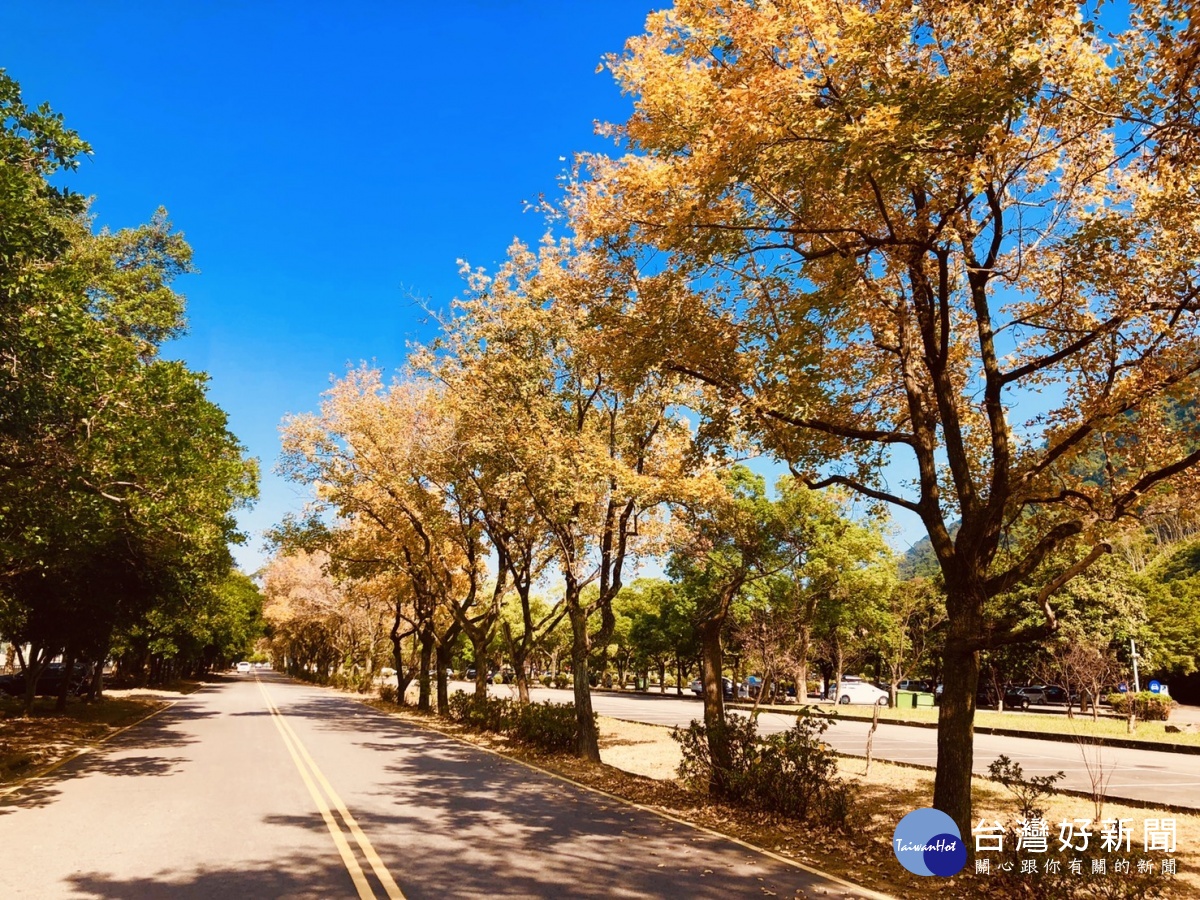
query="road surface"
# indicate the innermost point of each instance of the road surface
(1153, 776)
(267, 788)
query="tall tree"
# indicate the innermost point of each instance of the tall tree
(883, 230)
(593, 452)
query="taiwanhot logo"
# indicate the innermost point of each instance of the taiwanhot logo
(927, 842)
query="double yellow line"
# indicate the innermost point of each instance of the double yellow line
(320, 789)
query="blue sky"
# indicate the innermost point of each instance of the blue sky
(329, 163)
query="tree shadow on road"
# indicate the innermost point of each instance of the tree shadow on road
(451, 820)
(296, 877)
(163, 732)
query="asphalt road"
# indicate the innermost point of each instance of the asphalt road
(1147, 775)
(268, 788)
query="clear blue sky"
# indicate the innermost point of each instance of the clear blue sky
(327, 162)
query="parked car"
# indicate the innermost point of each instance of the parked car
(921, 687)
(858, 692)
(243, 668)
(49, 682)
(1047, 695)
(697, 687)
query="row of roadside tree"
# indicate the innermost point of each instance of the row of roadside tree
(942, 257)
(118, 476)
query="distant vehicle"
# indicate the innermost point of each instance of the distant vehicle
(921, 687)
(470, 674)
(1047, 695)
(697, 687)
(858, 692)
(243, 668)
(259, 665)
(1013, 698)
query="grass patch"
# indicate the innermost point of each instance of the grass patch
(29, 743)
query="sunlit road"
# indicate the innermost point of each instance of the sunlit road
(268, 788)
(1153, 776)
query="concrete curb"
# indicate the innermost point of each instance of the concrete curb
(1123, 743)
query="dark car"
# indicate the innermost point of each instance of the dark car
(697, 688)
(1013, 698)
(1047, 695)
(48, 683)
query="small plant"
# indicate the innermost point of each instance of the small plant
(1029, 792)
(388, 693)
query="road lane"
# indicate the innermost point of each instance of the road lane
(212, 799)
(1153, 776)
(200, 801)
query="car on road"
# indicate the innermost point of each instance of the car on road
(243, 668)
(857, 692)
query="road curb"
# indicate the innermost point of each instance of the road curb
(1093, 740)
(87, 748)
(865, 892)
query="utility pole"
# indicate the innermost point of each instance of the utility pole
(1133, 655)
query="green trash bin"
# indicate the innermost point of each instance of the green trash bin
(640, 682)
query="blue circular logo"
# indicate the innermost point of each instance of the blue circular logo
(927, 842)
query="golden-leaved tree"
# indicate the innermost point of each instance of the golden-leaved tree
(956, 237)
(580, 452)
(384, 460)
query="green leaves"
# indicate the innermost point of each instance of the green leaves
(119, 475)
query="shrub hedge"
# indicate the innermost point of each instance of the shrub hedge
(549, 726)
(1148, 706)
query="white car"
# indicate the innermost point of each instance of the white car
(244, 668)
(860, 692)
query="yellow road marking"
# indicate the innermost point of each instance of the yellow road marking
(385, 877)
(299, 756)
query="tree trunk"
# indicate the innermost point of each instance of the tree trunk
(956, 724)
(479, 648)
(444, 652)
(662, 676)
(518, 652)
(711, 664)
(64, 688)
(96, 687)
(34, 666)
(423, 699)
(589, 737)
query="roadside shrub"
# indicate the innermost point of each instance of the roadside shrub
(492, 714)
(388, 693)
(1148, 706)
(793, 774)
(563, 681)
(550, 726)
